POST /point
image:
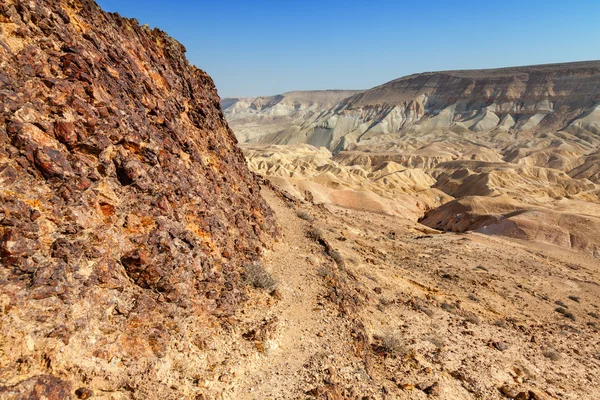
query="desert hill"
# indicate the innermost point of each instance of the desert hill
(529, 134)
(497, 105)
(258, 116)
(462, 212)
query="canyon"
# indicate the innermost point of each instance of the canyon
(510, 151)
(433, 237)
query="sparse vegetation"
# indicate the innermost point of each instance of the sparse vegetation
(257, 276)
(337, 257)
(314, 233)
(560, 303)
(474, 298)
(594, 315)
(390, 343)
(425, 310)
(448, 307)
(575, 299)
(501, 323)
(305, 216)
(472, 318)
(384, 303)
(565, 312)
(324, 271)
(552, 355)
(437, 341)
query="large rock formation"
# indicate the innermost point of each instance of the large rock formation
(126, 209)
(494, 104)
(528, 134)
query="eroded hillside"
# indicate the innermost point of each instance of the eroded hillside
(517, 146)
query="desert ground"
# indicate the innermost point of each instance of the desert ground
(437, 236)
(371, 305)
(440, 237)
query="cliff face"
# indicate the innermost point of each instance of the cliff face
(126, 209)
(493, 104)
(254, 117)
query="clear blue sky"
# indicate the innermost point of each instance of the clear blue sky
(261, 47)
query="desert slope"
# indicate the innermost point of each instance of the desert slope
(528, 134)
(127, 211)
(265, 118)
(499, 105)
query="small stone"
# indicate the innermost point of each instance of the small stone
(500, 346)
(84, 393)
(407, 386)
(509, 391)
(276, 294)
(522, 396)
(433, 390)
(535, 395)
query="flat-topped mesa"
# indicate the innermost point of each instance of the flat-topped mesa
(570, 82)
(487, 104)
(125, 203)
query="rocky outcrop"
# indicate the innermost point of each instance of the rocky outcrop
(126, 209)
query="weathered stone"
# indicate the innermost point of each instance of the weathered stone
(45, 387)
(126, 210)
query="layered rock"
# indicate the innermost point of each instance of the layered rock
(126, 208)
(494, 104)
(279, 118)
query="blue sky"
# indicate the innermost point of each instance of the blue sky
(263, 47)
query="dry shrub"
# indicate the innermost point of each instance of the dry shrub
(314, 233)
(391, 343)
(305, 216)
(566, 313)
(552, 355)
(324, 271)
(337, 257)
(257, 276)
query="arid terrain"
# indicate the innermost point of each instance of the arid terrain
(510, 151)
(465, 206)
(434, 237)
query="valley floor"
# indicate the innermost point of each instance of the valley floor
(375, 306)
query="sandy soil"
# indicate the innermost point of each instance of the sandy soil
(409, 313)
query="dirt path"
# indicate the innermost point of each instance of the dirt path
(308, 328)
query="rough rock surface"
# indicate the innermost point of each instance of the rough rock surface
(126, 209)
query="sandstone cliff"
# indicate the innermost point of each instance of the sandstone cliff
(253, 118)
(126, 208)
(498, 105)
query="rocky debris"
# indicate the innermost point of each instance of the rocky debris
(500, 345)
(432, 390)
(126, 209)
(517, 393)
(38, 387)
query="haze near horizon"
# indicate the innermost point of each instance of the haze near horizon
(270, 47)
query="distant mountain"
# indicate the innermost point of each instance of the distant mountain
(499, 106)
(255, 117)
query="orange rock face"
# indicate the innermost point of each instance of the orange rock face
(125, 205)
